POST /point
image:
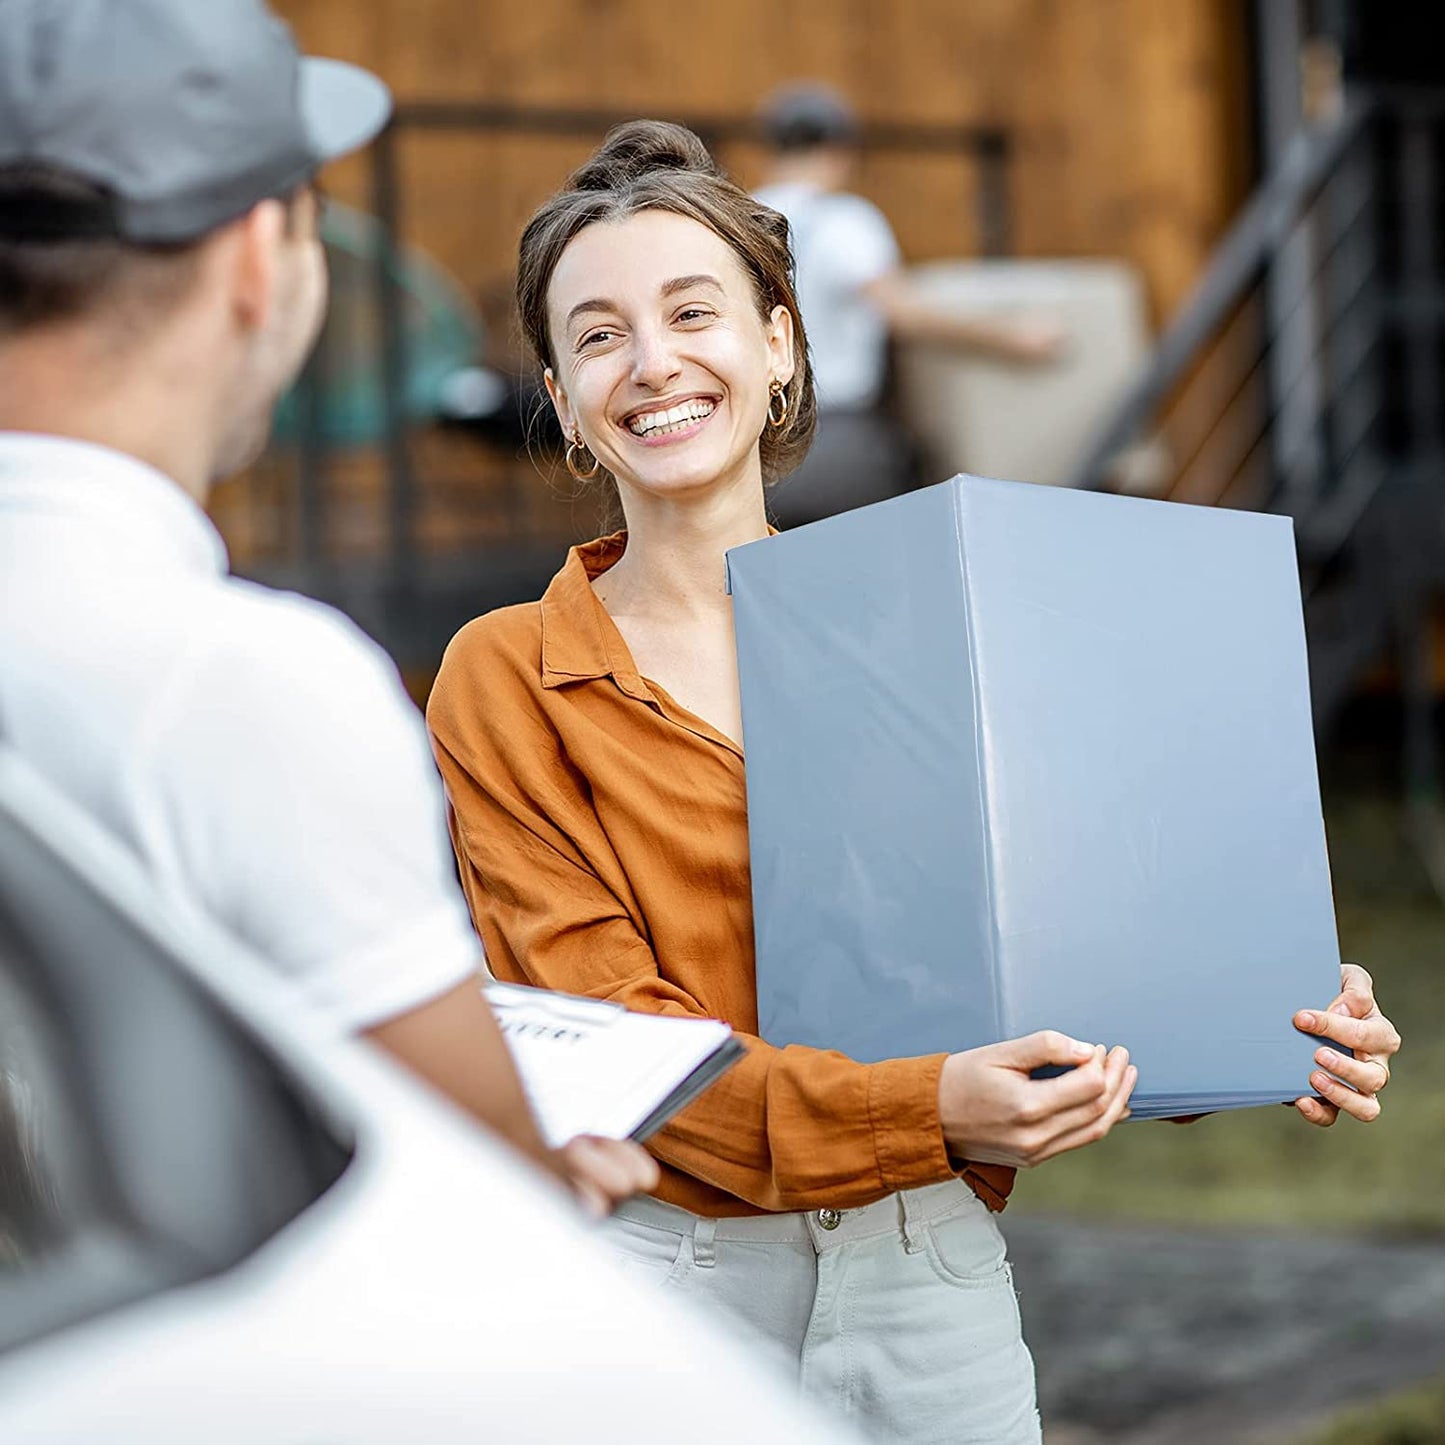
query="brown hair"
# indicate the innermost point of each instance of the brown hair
(43, 283)
(652, 165)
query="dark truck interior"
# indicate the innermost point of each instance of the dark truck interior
(148, 1137)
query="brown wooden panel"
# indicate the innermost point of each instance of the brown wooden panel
(1128, 114)
(1128, 119)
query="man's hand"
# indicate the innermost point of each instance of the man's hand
(455, 1045)
(1022, 337)
(1031, 338)
(993, 1112)
(604, 1172)
(1354, 1020)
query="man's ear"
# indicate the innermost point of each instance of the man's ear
(253, 246)
(560, 404)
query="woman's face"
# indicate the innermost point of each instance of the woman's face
(662, 359)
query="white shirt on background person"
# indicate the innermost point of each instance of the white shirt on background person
(841, 244)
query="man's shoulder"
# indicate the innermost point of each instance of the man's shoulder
(265, 632)
(281, 667)
(282, 697)
(775, 195)
(858, 213)
(828, 225)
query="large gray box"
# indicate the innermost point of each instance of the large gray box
(1024, 758)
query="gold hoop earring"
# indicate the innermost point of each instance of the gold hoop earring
(777, 394)
(574, 466)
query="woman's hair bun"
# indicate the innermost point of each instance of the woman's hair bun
(637, 148)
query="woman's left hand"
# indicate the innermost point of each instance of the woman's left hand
(1354, 1020)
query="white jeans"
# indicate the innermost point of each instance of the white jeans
(901, 1315)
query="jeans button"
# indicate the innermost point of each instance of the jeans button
(829, 1218)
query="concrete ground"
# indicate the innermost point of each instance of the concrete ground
(1172, 1336)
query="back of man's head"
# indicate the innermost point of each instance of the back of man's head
(45, 283)
(130, 131)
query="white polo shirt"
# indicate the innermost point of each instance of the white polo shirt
(255, 749)
(841, 243)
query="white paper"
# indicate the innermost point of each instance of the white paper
(591, 1067)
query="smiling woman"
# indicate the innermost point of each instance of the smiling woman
(592, 748)
(666, 380)
(720, 258)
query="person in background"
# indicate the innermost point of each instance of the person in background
(857, 300)
(161, 282)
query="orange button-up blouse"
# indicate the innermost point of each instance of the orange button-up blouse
(601, 831)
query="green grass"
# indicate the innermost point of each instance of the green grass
(1415, 1418)
(1267, 1166)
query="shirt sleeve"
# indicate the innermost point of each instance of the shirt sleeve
(787, 1128)
(288, 783)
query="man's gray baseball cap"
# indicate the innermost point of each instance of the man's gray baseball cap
(183, 113)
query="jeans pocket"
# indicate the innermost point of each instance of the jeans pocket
(646, 1251)
(966, 1247)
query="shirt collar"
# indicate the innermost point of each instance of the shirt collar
(579, 640)
(137, 507)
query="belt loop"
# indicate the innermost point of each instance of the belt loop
(913, 1226)
(704, 1243)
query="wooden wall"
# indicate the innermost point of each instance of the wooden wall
(1129, 115)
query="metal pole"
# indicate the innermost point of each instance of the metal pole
(1417, 225)
(1295, 356)
(386, 201)
(311, 464)
(1415, 619)
(994, 230)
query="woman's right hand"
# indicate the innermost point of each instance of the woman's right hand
(993, 1112)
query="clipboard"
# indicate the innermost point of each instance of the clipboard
(590, 1066)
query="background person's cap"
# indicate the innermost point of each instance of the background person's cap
(804, 115)
(185, 113)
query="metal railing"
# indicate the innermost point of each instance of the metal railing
(1303, 249)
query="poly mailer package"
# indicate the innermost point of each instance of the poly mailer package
(1023, 758)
